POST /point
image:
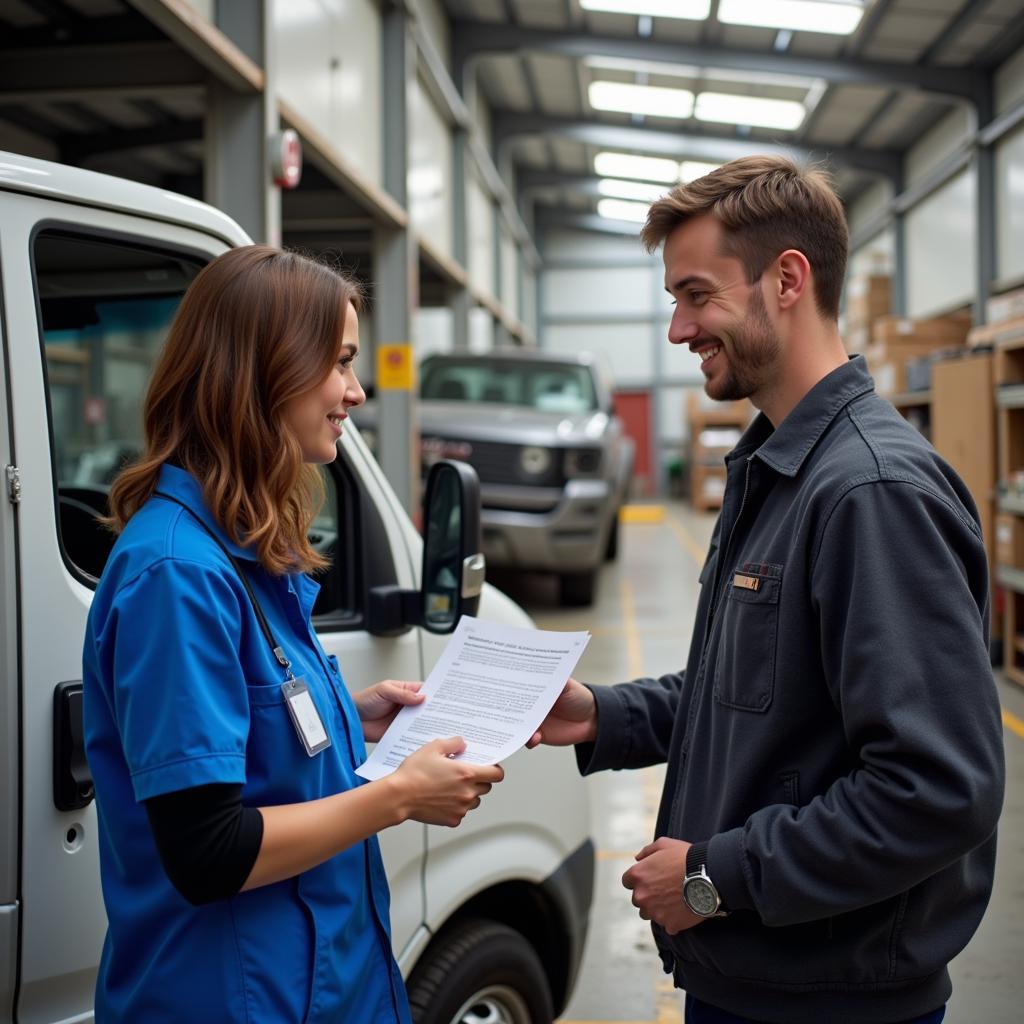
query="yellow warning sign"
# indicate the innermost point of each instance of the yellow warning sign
(395, 368)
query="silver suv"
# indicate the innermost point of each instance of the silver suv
(553, 460)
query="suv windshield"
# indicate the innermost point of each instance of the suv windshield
(550, 387)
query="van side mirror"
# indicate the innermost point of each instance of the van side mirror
(454, 568)
(453, 565)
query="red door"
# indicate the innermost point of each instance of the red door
(634, 409)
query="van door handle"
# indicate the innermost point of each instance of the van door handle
(72, 780)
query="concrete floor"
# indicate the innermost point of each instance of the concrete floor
(641, 625)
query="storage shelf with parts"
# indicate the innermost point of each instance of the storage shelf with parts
(1008, 344)
(714, 429)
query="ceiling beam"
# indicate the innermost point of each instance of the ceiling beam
(682, 144)
(472, 40)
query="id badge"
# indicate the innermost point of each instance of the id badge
(305, 716)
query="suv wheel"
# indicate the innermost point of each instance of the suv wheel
(577, 588)
(611, 552)
(480, 972)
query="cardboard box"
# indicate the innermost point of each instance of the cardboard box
(868, 296)
(1010, 540)
(888, 365)
(1007, 306)
(940, 332)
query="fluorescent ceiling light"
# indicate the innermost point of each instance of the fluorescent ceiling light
(692, 10)
(646, 168)
(619, 209)
(839, 19)
(653, 100)
(690, 170)
(641, 190)
(750, 110)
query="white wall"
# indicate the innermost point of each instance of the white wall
(480, 219)
(869, 206)
(432, 331)
(481, 330)
(941, 248)
(1008, 83)
(328, 55)
(936, 145)
(430, 170)
(1010, 206)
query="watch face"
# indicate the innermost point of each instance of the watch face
(700, 896)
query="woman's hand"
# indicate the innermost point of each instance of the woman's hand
(572, 719)
(438, 790)
(378, 704)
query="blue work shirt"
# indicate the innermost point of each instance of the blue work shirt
(182, 690)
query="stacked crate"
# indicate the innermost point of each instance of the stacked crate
(715, 427)
(868, 297)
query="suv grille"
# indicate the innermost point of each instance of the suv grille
(494, 461)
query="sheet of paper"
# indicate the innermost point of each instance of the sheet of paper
(492, 686)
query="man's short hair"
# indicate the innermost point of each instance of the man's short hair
(765, 204)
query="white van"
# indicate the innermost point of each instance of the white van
(488, 919)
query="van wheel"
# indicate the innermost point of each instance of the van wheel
(577, 588)
(611, 552)
(480, 972)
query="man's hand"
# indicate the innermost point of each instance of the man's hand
(378, 704)
(572, 719)
(657, 883)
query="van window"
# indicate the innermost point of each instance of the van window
(105, 306)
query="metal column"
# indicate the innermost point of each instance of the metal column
(239, 125)
(460, 303)
(396, 273)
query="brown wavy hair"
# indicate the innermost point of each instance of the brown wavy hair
(765, 204)
(257, 327)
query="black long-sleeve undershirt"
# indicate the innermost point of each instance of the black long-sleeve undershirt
(207, 840)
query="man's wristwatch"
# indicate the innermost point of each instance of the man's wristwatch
(699, 892)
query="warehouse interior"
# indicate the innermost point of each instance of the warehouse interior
(484, 167)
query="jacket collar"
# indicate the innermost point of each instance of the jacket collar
(785, 447)
(180, 484)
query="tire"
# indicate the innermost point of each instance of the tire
(480, 972)
(611, 552)
(576, 589)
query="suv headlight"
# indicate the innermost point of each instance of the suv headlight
(583, 461)
(534, 460)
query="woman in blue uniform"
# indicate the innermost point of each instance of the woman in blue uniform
(241, 872)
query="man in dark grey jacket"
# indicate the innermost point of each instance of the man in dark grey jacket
(826, 838)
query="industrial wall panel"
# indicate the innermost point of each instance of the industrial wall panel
(869, 206)
(481, 330)
(1010, 205)
(941, 243)
(530, 286)
(625, 348)
(430, 170)
(586, 245)
(328, 55)
(876, 256)
(599, 291)
(509, 273)
(1008, 83)
(938, 143)
(672, 414)
(480, 217)
(432, 331)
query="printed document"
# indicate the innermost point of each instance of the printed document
(492, 686)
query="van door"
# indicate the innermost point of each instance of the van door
(92, 310)
(8, 698)
(85, 315)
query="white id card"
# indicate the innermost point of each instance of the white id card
(305, 716)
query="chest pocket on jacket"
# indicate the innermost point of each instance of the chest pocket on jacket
(745, 667)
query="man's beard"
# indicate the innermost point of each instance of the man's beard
(750, 356)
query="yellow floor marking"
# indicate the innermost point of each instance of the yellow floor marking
(666, 1007)
(687, 540)
(619, 630)
(642, 514)
(616, 854)
(1013, 723)
(633, 652)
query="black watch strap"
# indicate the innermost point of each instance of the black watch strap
(696, 858)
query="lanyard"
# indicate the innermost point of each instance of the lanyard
(279, 654)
